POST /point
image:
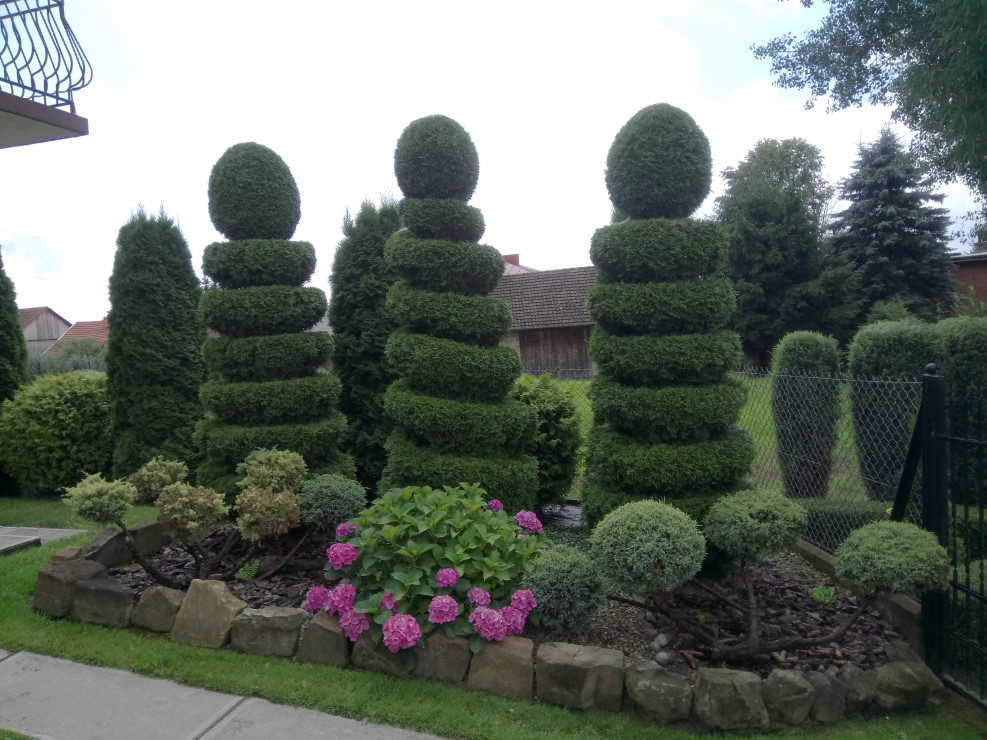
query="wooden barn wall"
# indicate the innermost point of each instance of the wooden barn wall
(554, 350)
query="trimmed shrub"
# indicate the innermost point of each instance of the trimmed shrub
(275, 357)
(101, 501)
(278, 470)
(442, 218)
(659, 165)
(151, 478)
(684, 307)
(896, 557)
(750, 524)
(647, 546)
(315, 441)
(568, 588)
(13, 349)
(263, 309)
(473, 319)
(248, 262)
(39, 365)
(328, 500)
(435, 158)
(626, 252)
(189, 514)
(656, 359)
(263, 513)
(292, 401)
(445, 266)
(55, 430)
(830, 521)
(805, 408)
(253, 195)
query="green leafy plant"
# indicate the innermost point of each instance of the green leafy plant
(329, 499)
(151, 478)
(823, 594)
(568, 587)
(248, 572)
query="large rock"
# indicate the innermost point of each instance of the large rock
(103, 601)
(323, 641)
(55, 588)
(158, 608)
(504, 669)
(149, 537)
(658, 694)
(375, 656)
(788, 697)
(859, 685)
(207, 615)
(108, 548)
(725, 699)
(272, 630)
(580, 677)
(444, 658)
(829, 700)
(903, 685)
(65, 554)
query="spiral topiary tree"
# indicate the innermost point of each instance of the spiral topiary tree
(664, 406)
(267, 388)
(453, 420)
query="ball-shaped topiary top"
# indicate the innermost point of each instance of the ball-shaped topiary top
(252, 194)
(750, 524)
(892, 556)
(659, 165)
(435, 158)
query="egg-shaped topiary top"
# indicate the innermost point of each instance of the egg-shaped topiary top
(252, 194)
(659, 165)
(435, 158)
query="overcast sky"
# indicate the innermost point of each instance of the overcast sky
(541, 86)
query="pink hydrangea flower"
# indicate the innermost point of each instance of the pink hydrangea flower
(442, 609)
(353, 624)
(401, 631)
(529, 521)
(495, 504)
(514, 619)
(344, 530)
(489, 624)
(340, 555)
(387, 601)
(341, 599)
(524, 601)
(446, 578)
(477, 596)
(316, 599)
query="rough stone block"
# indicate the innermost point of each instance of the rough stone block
(207, 615)
(157, 608)
(323, 641)
(149, 537)
(658, 694)
(374, 656)
(103, 601)
(788, 697)
(108, 548)
(829, 700)
(272, 630)
(65, 554)
(725, 699)
(56, 585)
(580, 677)
(504, 669)
(902, 685)
(444, 658)
(859, 686)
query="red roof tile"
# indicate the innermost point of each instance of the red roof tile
(553, 298)
(98, 330)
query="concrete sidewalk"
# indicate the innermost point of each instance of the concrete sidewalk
(13, 539)
(56, 699)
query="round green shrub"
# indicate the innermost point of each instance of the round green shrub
(474, 319)
(444, 266)
(435, 158)
(657, 250)
(568, 588)
(449, 369)
(151, 478)
(442, 218)
(56, 429)
(328, 500)
(263, 513)
(292, 401)
(275, 357)
(316, 441)
(751, 524)
(101, 501)
(647, 546)
(252, 194)
(897, 557)
(278, 470)
(683, 307)
(249, 262)
(678, 413)
(189, 513)
(656, 359)
(659, 165)
(263, 309)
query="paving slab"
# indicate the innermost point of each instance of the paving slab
(47, 534)
(10, 543)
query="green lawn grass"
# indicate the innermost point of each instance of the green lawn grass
(53, 512)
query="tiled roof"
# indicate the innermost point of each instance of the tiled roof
(28, 315)
(541, 300)
(98, 330)
(513, 266)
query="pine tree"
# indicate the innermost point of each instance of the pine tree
(154, 353)
(889, 231)
(13, 355)
(360, 280)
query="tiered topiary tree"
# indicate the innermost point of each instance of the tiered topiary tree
(664, 406)
(268, 388)
(453, 421)
(13, 356)
(154, 354)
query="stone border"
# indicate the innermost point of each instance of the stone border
(75, 583)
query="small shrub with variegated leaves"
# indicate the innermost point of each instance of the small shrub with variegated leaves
(279, 470)
(188, 513)
(101, 501)
(154, 476)
(263, 513)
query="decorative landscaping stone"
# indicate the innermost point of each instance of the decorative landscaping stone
(658, 694)
(103, 601)
(444, 658)
(859, 685)
(788, 697)
(899, 650)
(149, 537)
(374, 656)
(580, 677)
(903, 685)
(725, 699)
(56, 585)
(272, 630)
(207, 615)
(65, 555)
(108, 548)
(504, 669)
(323, 641)
(829, 700)
(157, 609)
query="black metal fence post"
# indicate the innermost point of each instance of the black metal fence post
(935, 510)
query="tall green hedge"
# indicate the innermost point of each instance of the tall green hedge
(13, 357)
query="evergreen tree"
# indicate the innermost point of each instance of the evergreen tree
(360, 280)
(154, 353)
(13, 355)
(897, 241)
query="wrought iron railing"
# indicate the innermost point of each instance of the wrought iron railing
(41, 57)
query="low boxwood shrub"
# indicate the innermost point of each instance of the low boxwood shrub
(101, 501)
(443, 266)
(625, 252)
(151, 478)
(568, 587)
(436, 158)
(750, 524)
(263, 309)
(896, 557)
(328, 500)
(247, 262)
(442, 218)
(682, 307)
(472, 319)
(276, 357)
(291, 401)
